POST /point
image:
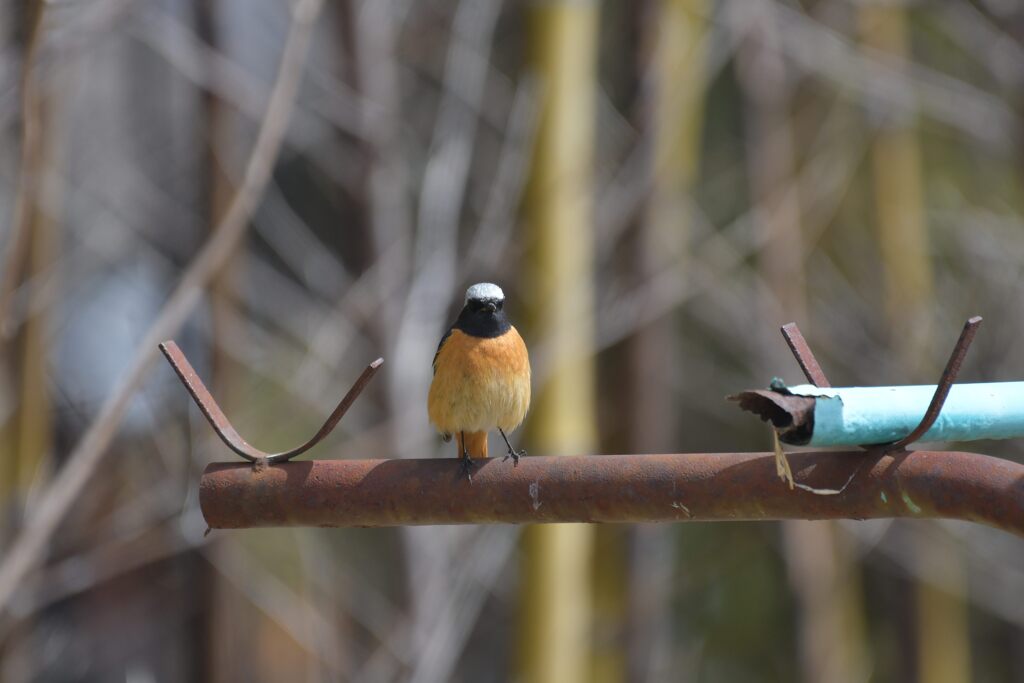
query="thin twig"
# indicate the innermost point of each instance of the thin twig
(31, 542)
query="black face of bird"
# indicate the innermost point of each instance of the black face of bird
(484, 306)
(483, 317)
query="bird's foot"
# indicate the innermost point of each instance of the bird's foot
(512, 453)
(515, 455)
(466, 468)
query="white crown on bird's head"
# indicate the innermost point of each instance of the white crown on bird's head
(485, 291)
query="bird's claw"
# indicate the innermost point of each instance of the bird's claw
(515, 455)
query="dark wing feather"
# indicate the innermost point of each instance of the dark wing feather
(439, 345)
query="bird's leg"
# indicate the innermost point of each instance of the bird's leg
(467, 468)
(512, 453)
(466, 463)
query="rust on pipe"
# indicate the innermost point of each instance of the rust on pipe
(617, 488)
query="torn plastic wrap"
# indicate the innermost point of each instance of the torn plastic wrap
(853, 416)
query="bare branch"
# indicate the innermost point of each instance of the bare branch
(58, 498)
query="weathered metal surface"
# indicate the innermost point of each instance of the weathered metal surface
(223, 427)
(617, 488)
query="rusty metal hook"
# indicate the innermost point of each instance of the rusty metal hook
(808, 363)
(229, 435)
(952, 369)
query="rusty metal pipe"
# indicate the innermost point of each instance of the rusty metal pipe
(617, 488)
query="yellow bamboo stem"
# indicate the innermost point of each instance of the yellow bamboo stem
(942, 621)
(17, 254)
(35, 414)
(896, 171)
(609, 598)
(33, 417)
(679, 58)
(944, 654)
(557, 284)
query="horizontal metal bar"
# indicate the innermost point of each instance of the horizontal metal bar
(617, 488)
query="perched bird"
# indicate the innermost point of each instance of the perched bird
(481, 377)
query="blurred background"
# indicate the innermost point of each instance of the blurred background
(293, 189)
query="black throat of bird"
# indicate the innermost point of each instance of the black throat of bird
(484, 319)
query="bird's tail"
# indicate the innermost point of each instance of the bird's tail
(476, 444)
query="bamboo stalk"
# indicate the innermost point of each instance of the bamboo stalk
(17, 253)
(554, 629)
(899, 203)
(29, 171)
(33, 254)
(35, 412)
(27, 431)
(944, 654)
(678, 111)
(942, 621)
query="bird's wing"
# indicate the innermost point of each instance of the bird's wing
(439, 345)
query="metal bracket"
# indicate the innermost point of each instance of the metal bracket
(952, 369)
(229, 435)
(812, 370)
(808, 363)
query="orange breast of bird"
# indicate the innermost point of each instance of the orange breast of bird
(479, 384)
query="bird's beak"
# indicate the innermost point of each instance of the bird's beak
(492, 307)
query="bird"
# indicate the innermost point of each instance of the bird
(481, 377)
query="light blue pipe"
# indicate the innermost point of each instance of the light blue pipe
(872, 415)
